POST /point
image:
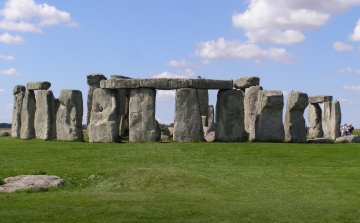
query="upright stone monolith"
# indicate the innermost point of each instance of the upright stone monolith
(56, 108)
(295, 130)
(269, 126)
(19, 93)
(203, 103)
(142, 124)
(314, 117)
(331, 118)
(104, 119)
(210, 121)
(69, 116)
(44, 115)
(187, 120)
(93, 80)
(230, 116)
(250, 103)
(28, 108)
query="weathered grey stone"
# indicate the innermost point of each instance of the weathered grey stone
(246, 82)
(295, 130)
(348, 139)
(44, 114)
(4, 133)
(122, 125)
(36, 182)
(204, 103)
(164, 137)
(93, 80)
(171, 131)
(203, 120)
(158, 131)
(142, 124)
(250, 113)
(210, 84)
(210, 136)
(16, 118)
(104, 119)
(331, 119)
(320, 98)
(69, 116)
(28, 108)
(314, 118)
(319, 140)
(164, 83)
(19, 88)
(230, 116)
(40, 85)
(122, 96)
(269, 126)
(56, 108)
(210, 121)
(187, 121)
(120, 83)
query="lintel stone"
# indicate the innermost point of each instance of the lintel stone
(164, 83)
(211, 84)
(18, 89)
(246, 82)
(320, 98)
(40, 85)
(120, 83)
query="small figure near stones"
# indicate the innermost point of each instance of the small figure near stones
(344, 130)
(350, 129)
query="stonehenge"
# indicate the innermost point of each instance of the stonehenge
(122, 106)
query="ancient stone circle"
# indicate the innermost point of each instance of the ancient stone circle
(122, 106)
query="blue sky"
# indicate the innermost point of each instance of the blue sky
(301, 45)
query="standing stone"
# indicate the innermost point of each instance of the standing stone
(210, 121)
(122, 125)
(69, 116)
(203, 102)
(230, 116)
(56, 108)
(44, 114)
(331, 118)
(16, 119)
(142, 123)
(250, 103)
(187, 120)
(93, 80)
(122, 95)
(104, 117)
(28, 108)
(269, 126)
(295, 130)
(314, 117)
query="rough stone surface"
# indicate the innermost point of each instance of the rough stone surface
(40, 85)
(120, 83)
(319, 140)
(246, 82)
(204, 103)
(16, 118)
(210, 136)
(28, 108)
(44, 115)
(93, 80)
(269, 126)
(348, 139)
(122, 125)
(187, 120)
(36, 182)
(164, 137)
(19, 88)
(210, 122)
(122, 95)
(56, 108)
(142, 124)
(250, 103)
(69, 116)
(295, 130)
(230, 116)
(210, 84)
(331, 119)
(4, 133)
(314, 118)
(104, 119)
(171, 131)
(320, 99)
(165, 83)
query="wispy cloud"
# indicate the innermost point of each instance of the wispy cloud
(352, 87)
(9, 39)
(346, 102)
(179, 63)
(7, 57)
(342, 47)
(165, 95)
(179, 74)
(10, 72)
(348, 70)
(2, 90)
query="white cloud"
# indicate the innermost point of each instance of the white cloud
(348, 70)
(352, 87)
(180, 74)
(7, 57)
(340, 46)
(27, 16)
(225, 49)
(9, 39)
(356, 35)
(179, 63)
(275, 36)
(2, 90)
(165, 95)
(10, 72)
(346, 102)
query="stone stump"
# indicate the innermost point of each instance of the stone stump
(93, 80)
(19, 93)
(44, 115)
(314, 117)
(250, 103)
(295, 130)
(230, 116)
(331, 119)
(142, 124)
(69, 116)
(187, 120)
(28, 108)
(104, 116)
(269, 126)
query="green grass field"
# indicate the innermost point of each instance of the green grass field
(183, 182)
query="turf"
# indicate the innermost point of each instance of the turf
(183, 182)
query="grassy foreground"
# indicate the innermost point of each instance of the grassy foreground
(183, 182)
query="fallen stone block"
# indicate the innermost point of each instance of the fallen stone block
(36, 182)
(320, 140)
(40, 85)
(348, 139)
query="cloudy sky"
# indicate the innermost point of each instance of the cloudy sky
(312, 46)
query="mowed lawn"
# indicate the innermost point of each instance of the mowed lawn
(183, 182)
